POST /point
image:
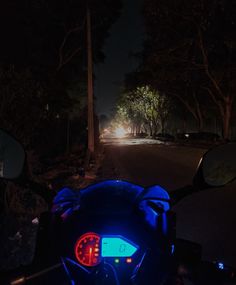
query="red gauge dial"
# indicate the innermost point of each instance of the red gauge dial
(87, 249)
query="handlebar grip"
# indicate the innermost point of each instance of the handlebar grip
(24, 279)
(18, 281)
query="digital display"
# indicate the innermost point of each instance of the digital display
(117, 246)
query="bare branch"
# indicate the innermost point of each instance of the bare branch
(186, 104)
(206, 65)
(217, 102)
(65, 59)
(68, 58)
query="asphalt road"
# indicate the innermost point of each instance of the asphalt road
(208, 218)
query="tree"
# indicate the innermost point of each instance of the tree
(127, 114)
(51, 34)
(190, 53)
(143, 107)
(23, 103)
(48, 39)
(163, 109)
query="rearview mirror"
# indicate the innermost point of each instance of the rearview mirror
(217, 168)
(218, 165)
(12, 157)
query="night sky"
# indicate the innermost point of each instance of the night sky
(126, 35)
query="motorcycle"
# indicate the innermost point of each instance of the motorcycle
(117, 232)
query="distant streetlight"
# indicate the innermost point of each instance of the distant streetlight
(120, 132)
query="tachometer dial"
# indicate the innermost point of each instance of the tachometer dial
(87, 249)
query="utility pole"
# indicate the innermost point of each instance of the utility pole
(90, 88)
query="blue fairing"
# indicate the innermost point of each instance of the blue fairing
(161, 198)
(119, 188)
(114, 196)
(110, 195)
(158, 192)
(66, 201)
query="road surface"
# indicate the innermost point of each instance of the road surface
(208, 217)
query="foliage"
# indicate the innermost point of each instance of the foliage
(42, 86)
(189, 53)
(52, 34)
(143, 108)
(45, 42)
(22, 104)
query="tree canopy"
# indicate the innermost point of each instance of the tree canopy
(190, 53)
(49, 34)
(143, 109)
(43, 43)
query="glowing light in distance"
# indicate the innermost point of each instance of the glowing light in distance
(120, 132)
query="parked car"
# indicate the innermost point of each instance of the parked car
(164, 137)
(199, 136)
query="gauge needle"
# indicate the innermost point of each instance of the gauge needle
(90, 255)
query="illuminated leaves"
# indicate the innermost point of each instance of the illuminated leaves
(144, 108)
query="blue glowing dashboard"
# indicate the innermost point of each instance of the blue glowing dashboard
(91, 248)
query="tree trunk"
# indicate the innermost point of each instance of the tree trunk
(163, 125)
(150, 129)
(226, 118)
(155, 128)
(200, 122)
(195, 110)
(184, 125)
(198, 113)
(138, 129)
(132, 129)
